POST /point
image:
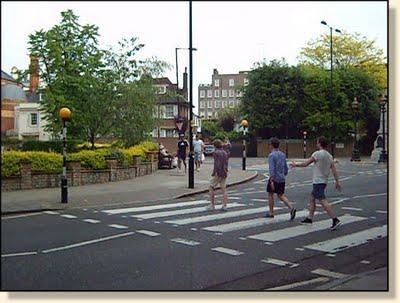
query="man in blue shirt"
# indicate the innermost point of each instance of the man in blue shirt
(278, 169)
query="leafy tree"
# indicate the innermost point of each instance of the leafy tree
(349, 50)
(228, 117)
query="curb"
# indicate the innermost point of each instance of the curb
(29, 211)
(336, 283)
(254, 175)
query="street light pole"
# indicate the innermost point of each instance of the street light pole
(356, 155)
(191, 156)
(244, 124)
(304, 144)
(65, 115)
(383, 155)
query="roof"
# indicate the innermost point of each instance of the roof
(12, 92)
(6, 76)
(163, 80)
(172, 100)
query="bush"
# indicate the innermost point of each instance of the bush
(94, 159)
(50, 146)
(41, 162)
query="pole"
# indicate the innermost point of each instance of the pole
(64, 185)
(383, 156)
(191, 156)
(244, 150)
(304, 145)
(331, 101)
(287, 135)
(177, 79)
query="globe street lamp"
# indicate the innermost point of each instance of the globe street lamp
(245, 125)
(382, 104)
(331, 89)
(65, 115)
(304, 144)
(355, 107)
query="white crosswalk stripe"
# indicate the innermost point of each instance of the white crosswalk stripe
(178, 212)
(351, 240)
(291, 232)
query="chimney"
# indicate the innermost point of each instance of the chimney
(34, 74)
(215, 71)
(185, 83)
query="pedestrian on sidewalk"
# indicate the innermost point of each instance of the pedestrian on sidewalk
(323, 164)
(219, 175)
(278, 169)
(198, 148)
(183, 144)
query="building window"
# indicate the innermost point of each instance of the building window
(209, 115)
(231, 82)
(154, 133)
(246, 81)
(238, 93)
(216, 114)
(216, 93)
(237, 102)
(34, 119)
(224, 93)
(202, 114)
(217, 104)
(170, 133)
(231, 103)
(202, 94)
(231, 93)
(169, 111)
(161, 89)
(216, 82)
(224, 103)
(209, 104)
(202, 104)
(209, 93)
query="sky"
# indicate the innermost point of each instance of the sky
(229, 36)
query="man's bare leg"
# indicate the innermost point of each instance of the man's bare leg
(312, 208)
(328, 208)
(285, 200)
(271, 203)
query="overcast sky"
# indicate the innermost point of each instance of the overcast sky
(229, 36)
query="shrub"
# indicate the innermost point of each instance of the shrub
(50, 146)
(94, 159)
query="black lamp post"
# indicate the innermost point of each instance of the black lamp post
(356, 154)
(244, 124)
(191, 153)
(331, 90)
(65, 115)
(382, 104)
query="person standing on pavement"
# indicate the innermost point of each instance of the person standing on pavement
(278, 169)
(323, 164)
(182, 147)
(198, 147)
(219, 175)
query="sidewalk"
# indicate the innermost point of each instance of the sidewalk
(162, 185)
(372, 280)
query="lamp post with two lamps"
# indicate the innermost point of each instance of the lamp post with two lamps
(65, 115)
(356, 154)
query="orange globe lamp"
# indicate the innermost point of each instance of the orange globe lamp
(65, 114)
(244, 123)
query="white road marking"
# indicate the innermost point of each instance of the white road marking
(228, 214)
(330, 255)
(299, 249)
(365, 262)
(381, 211)
(154, 207)
(298, 284)
(268, 243)
(279, 262)
(118, 226)
(148, 233)
(28, 253)
(179, 212)
(243, 238)
(91, 221)
(20, 216)
(372, 195)
(259, 200)
(291, 232)
(50, 212)
(239, 225)
(87, 242)
(328, 273)
(193, 228)
(352, 208)
(351, 240)
(228, 251)
(186, 242)
(69, 216)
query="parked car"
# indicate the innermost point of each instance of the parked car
(209, 149)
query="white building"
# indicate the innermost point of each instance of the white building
(30, 123)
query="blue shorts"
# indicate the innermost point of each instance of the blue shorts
(318, 191)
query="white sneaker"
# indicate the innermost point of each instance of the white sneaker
(210, 207)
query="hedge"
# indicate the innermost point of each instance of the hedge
(50, 162)
(50, 146)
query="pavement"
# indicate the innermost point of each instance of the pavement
(161, 185)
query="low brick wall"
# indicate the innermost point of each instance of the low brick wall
(77, 176)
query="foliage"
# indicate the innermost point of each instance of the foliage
(49, 146)
(94, 159)
(227, 118)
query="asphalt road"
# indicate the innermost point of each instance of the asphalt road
(178, 245)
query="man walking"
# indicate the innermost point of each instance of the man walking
(278, 169)
(198, 147)
(323, 163)
(219, 175)
(182, 146)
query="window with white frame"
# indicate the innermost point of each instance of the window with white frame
(209, 93)
(216, 93)
(224, 104)
(231, 93)
(170, 111)
(216, 82)
(246, 81)
(216, 114)
(202, 114)
(238, 93)
(209, 104)
(209, 115)
(161, 89)
(231, 82)
(34, 119)
(202, 94)
(202, 104)
(224, 93)
(170, 133)
(162, 132)
(154, 133)
(231, 103)
(217, 104)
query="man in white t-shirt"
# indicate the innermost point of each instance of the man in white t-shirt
(323, 164)
(198, 148)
